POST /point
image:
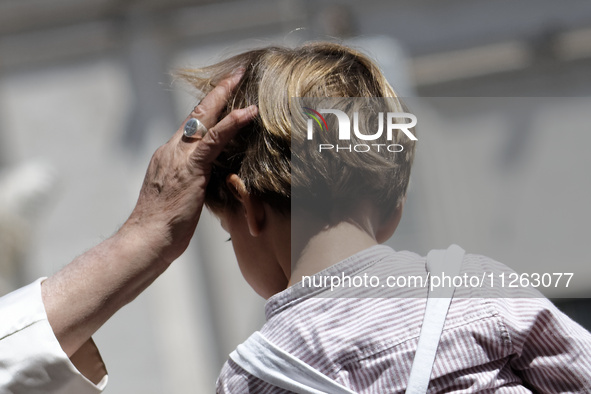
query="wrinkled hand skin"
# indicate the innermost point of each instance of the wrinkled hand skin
(84, 294)
(170, 201)
(173, 192)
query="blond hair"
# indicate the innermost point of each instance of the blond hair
(261, 153)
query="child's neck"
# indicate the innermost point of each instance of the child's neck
(316, 247)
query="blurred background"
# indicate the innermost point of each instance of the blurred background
(86, 97)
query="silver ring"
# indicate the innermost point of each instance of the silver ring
(194, 125)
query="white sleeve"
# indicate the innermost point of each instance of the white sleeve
(32, 360)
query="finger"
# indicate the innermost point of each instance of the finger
(218, 136)
(209, 109)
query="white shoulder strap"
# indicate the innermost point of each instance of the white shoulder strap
(262, 359)
(439, 262)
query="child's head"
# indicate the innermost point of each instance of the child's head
(272, 189)
(261, 155)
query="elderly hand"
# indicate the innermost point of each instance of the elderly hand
(173, 191)
(87, 292)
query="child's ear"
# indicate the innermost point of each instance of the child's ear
(389, 224)
(253, 208)
(236, 186)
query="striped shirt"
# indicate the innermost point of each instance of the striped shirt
(493, 340)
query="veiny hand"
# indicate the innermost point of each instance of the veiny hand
(84, 294)
(173, 192)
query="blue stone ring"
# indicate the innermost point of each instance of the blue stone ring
(193, 126)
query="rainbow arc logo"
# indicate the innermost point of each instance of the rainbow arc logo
(317, 117)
